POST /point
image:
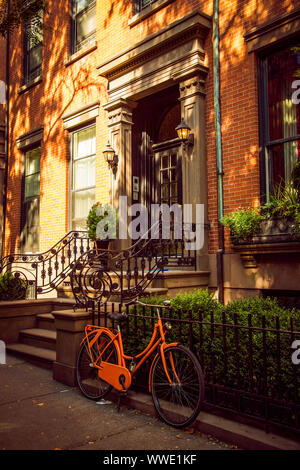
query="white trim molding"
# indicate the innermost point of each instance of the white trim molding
(81, 116)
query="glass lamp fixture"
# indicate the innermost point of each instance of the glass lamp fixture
(184, 133)
(111, 157)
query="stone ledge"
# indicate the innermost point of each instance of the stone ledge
(81, 53)
(29, 85)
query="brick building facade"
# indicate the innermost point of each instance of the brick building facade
(2, 126)
(128, 71)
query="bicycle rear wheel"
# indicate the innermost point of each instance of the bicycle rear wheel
(88, 381)
(179, 403)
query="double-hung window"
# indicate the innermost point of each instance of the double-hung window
(83, 23)
(280, 115)
(139, 5)
(31, 201)
(33, 48)
(82, 196)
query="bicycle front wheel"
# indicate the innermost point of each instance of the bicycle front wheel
(88, 381)
(178, 403)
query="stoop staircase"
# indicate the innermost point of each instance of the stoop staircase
(151, 266)
(38, 344)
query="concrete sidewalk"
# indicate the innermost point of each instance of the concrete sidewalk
(38, 413)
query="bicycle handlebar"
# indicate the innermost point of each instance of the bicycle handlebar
(166, 304)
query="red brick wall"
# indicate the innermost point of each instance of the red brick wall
(239, 98)
(2, 75)
(65, 88)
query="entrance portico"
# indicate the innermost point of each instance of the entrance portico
(150, 87)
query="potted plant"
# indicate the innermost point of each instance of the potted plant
(274, 222)
(281, 214)
(244, 224)
(101, 224)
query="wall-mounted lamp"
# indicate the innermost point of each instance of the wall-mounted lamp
(111, 157)
(184, 134)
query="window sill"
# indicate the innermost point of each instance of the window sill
(81, 53)
(29, 85)
(138, 17)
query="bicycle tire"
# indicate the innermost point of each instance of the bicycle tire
(88, 381)
(178, 405)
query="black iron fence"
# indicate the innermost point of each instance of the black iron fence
(246, 359)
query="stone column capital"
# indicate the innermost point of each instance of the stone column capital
(119, 111)
(192, 86)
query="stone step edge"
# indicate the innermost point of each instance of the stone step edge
(39, 333)
(27, 351)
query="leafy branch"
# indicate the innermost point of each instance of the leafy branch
(15, 12)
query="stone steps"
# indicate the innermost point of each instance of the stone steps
(39, 337)
(39, 356)
(45, 321)
(38, 343)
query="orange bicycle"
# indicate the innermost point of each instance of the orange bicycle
(175, 376)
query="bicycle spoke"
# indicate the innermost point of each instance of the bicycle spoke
(87, 374)
(178, 402)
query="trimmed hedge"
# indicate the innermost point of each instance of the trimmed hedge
(225, 351)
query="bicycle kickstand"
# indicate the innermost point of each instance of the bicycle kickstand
(121, 392)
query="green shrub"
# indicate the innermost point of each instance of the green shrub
(295, 177)
(224, 351)
(264, 346)
(12, 287)
(283, 203)
(243, 223)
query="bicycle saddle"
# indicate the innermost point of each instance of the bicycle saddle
(117, 316)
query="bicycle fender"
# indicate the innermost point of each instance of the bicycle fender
(111, 374)
(97, 331)
(162, 347)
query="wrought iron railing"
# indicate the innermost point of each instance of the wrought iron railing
(246, 360)
(123, 275)
(96, 275)
(40, 273)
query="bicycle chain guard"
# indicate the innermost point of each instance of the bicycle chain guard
(111, 374)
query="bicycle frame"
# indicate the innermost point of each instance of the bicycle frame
(111, 372)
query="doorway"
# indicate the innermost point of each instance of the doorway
(156, 158)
